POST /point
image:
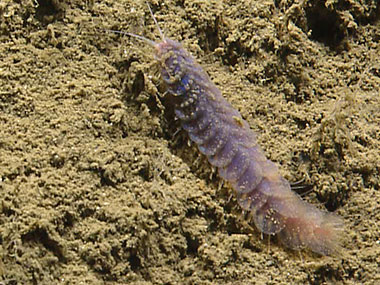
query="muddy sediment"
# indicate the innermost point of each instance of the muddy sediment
(98, 184)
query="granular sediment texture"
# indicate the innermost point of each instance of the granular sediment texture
(95, 187)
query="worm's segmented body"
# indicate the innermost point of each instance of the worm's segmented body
(230, 145)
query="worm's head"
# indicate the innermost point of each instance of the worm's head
(174, 61)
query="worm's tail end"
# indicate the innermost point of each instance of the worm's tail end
(276, 209)
(317, 230)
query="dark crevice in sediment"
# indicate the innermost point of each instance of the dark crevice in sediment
(42, 236)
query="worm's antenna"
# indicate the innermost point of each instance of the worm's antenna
(148, 41)
(155, 21)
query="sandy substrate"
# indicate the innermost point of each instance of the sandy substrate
(99, 186)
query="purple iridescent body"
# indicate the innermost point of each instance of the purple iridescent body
(229, 144)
